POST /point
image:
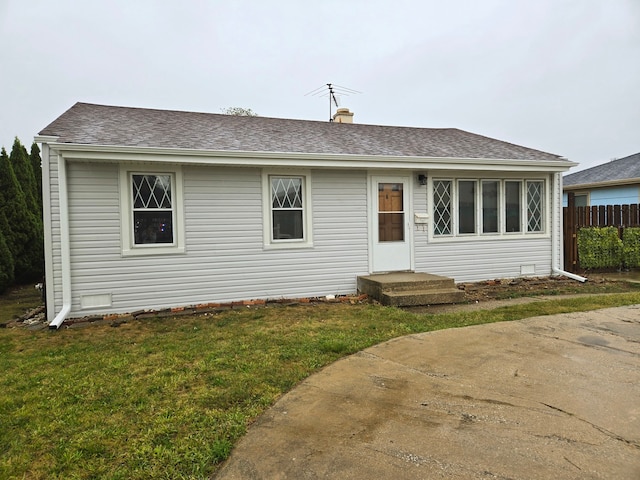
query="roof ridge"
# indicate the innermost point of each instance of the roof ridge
(284, 119)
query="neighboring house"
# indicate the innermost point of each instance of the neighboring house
(613, 183)
(155, 209)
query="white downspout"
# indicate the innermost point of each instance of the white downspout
(64, 245)
(573, 276)
(556, 229)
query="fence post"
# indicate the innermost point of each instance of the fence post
(569, 234)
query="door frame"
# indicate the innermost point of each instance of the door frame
(373, 178)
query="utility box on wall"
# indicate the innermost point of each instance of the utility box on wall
(420, 218)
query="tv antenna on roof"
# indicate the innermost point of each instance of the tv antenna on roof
(333, 92)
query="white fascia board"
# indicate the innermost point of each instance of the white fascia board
(288, 159)
(607, 183)
(45, 138)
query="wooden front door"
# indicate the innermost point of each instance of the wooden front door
(391, 245)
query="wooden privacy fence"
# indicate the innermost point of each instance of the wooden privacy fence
(575, 218)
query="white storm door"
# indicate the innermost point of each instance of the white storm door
(391, 242)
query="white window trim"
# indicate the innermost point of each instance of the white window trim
(586, 194)
(456, 206)
(267, 217)
(543, 198)
(501, 220)
(452, 213)
(479, 236)
(523, 208)
(126, 211)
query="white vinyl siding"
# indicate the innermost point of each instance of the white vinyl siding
(475, 261)
(225, 256)
(225, 259)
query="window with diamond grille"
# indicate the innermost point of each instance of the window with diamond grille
(152, 209)
(287, 209)
(442, 207)
(534, 206)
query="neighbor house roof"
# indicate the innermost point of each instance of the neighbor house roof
(623, 170)
(137, 127)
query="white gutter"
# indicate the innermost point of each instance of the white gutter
(298, 159)
(605, 183)
(64, 245)
(556, 229)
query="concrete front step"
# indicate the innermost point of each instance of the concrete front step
(422, 297)
(408, 288)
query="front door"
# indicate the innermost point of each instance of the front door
(391, 242)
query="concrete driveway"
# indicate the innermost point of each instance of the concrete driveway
(545, 398)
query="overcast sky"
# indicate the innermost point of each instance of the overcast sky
(561, 76)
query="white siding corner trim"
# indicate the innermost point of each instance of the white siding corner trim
(48, 232)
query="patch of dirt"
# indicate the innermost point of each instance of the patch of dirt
(483, 295)
(501, 289)
(502, 292)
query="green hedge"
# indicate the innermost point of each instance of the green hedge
(599, 247)
(631, 247)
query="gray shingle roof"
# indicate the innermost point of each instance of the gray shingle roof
(107, 125)
(616, 170)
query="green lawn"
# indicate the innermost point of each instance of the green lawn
(17, 300)
(168, 398)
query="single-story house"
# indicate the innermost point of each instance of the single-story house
(613, 183)
(155, 209)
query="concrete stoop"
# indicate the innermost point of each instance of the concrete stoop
(403, 289)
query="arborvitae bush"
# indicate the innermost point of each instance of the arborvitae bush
(33, 260)
(21, 164)
(36, 166)
(6, 259)
(24, 235)
(599, 247)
